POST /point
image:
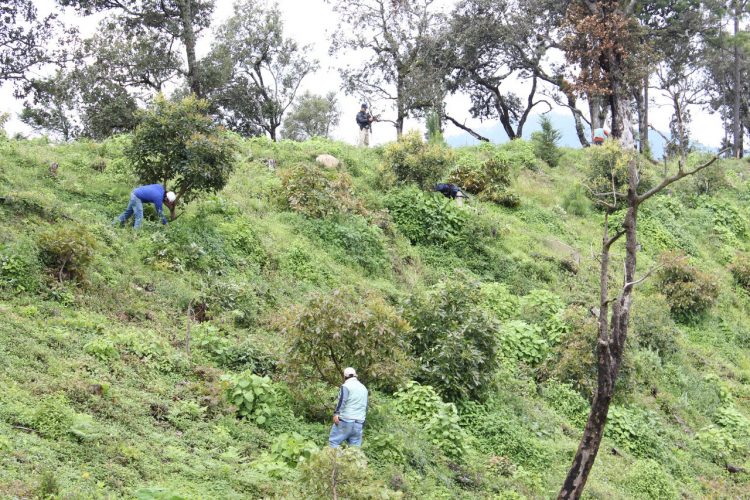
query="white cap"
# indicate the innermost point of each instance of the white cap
(171, 196)
(349, 372)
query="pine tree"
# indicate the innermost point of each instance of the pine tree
(545, 142)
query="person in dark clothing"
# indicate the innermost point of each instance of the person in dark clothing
(448, 190)
(151, 193)
(451, 191)
(364, 120)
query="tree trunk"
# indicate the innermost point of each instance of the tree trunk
(611, 337)
(400, 107)
(188, 38)
(736, 126)
(641, 101)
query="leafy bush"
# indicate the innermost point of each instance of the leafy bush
(652, 328)
(346, 328)
(183, 413)
(520, 341)
(53, 416)
(102, 349)
(576, 201)
(454, 339)
(344, 470)
(427, 219)
(566, 401)
(360, 241)
(545, 142)
(490, 180)
(316, 192)
(209, 339)
(634, 430)
(647, 479)
(178, 142)
(67, 250)
(518, 153)
(292, 448)
(413, 160)
(689, 292)
(19, 268)
(253, 396)
(497, 300)
(608, 170)
(740, 269)
(300, 264)
(439, 420)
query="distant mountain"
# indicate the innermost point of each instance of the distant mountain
(562, 122)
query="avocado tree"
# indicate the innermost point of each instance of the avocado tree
(178, 145)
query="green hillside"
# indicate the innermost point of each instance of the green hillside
(102, 397)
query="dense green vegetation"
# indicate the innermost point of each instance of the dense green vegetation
(471, 326)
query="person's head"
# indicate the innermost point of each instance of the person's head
(363, 107)
(349, 372)
(170, 197)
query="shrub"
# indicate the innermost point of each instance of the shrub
(490, 181)
(360, 241)
(634, 430)
(576, 202)
(497, 300)
(566, 401)
(427, 219)
(179, 144)
(520, 341)
(313, 191)
(102, 349)
(19, 268)
(689, 292)
(292, 448)
(608, 170)
(413, 160)
(53, 416)
(518, 153)
(740, 269)
(67, 250)
(344, 471)
(253, 396)
(652, 328)
(439, 420)
(346, 328)
(300, 264)
(454, 338)
(545, 142)
(647, 479)
(209, 339)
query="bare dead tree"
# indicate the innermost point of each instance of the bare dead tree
(613, 326)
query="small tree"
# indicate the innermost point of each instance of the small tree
(312, 116)
(545, 142)
(342, 328)
(178, 145)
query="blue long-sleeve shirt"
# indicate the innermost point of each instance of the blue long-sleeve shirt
(152, 193)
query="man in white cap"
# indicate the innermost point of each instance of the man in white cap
(350, 413)
(151, 193)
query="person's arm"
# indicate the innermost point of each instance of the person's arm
(160, 211)
(343, 396)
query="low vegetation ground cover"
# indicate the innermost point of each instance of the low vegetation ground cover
(476, 325)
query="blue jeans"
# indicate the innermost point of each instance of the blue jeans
(134, 207)
(350, 432)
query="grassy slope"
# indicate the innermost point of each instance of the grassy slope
(139, 440)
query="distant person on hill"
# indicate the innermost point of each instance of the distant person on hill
(151, 193)
(350, 413)
(451, 191)
(364, 120)
(599, 135)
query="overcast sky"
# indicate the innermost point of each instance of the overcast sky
(313, 22)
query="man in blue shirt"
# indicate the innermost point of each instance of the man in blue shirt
(152, 193)
(350, 413)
